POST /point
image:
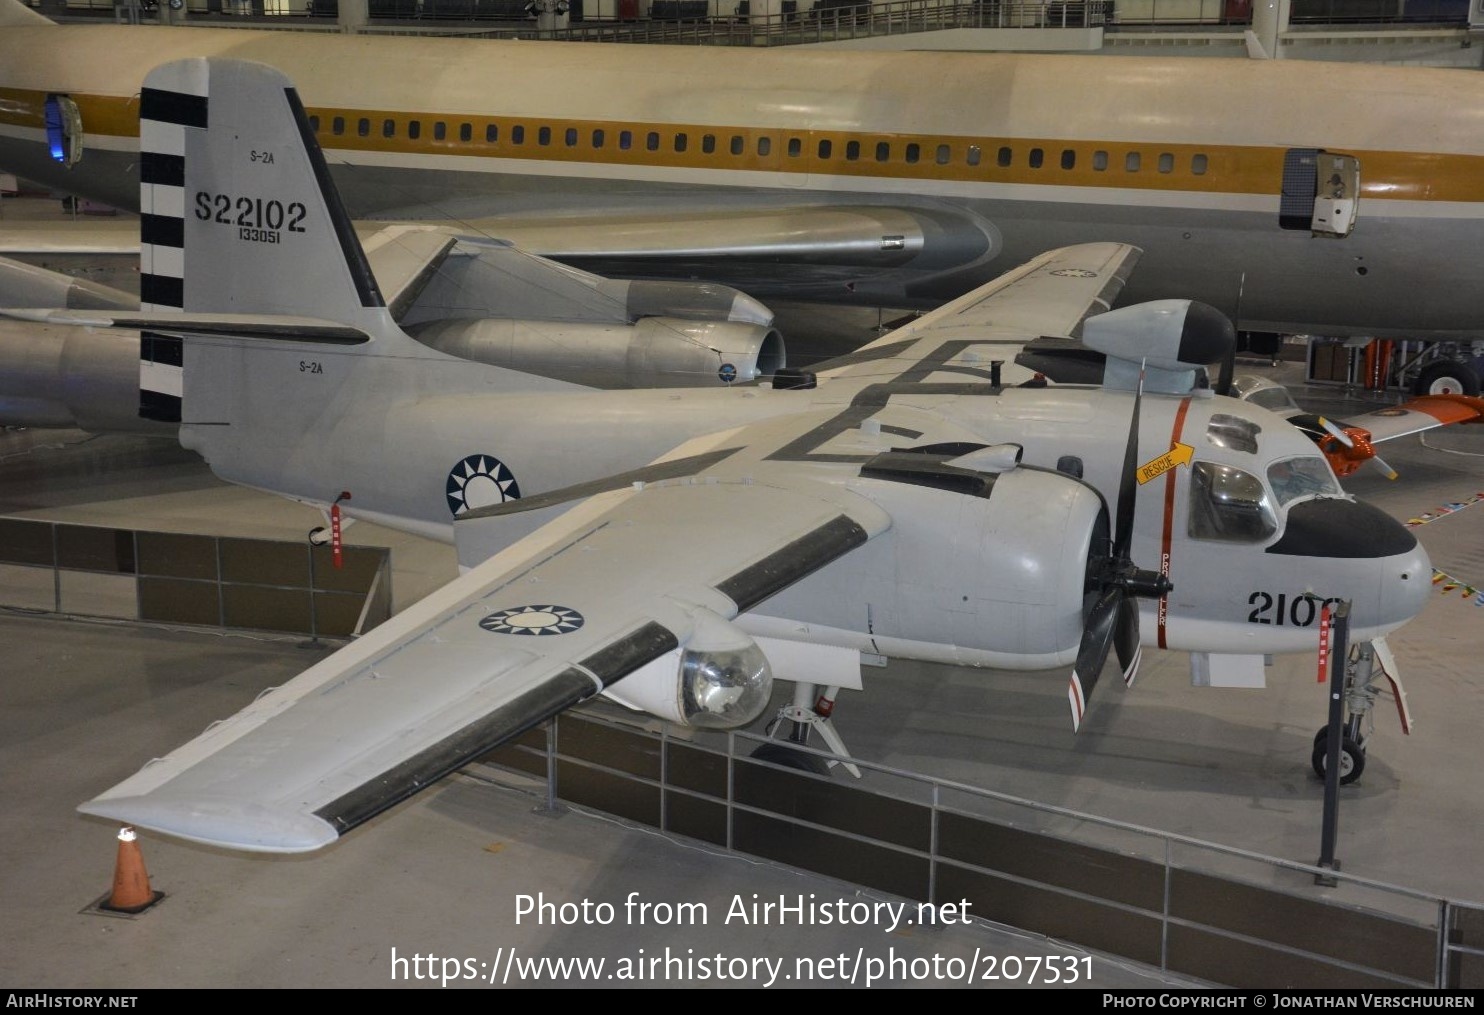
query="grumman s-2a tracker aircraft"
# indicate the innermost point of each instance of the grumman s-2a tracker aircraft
(677, 550)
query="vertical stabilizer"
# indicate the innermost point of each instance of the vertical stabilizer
(242, 218)
(238, 215)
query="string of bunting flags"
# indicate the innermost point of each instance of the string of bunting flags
(1444, 581)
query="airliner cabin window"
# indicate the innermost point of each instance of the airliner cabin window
(363, 127)
(1100, 162)
(652, 141)
(414, 129)
(974, 154)
(1068, 158)
(598, 137)
(914, 152)
(825, 148)
(1131, 162)
(466, 132)
(1005, 157)
(1037, 157)
(314, 124)
(440, 130)
(626, 139)
(708, 143)
(944, 155)
(795, 147)
(337, 125)
(518, 134)
(1166, 162)
(491, 133)
(543, 135)
(1198, 165)
(883, 151)
(764, 146)
(388, 128)
(681, 140)
(738, 146)
(852, 150)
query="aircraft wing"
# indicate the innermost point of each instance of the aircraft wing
(1422, 413)
(628, 577)
(1050, 295)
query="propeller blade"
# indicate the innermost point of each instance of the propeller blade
(1128, 481)
(1126, 640)
(1388, 470)
(1337, 433)
(1097, 639)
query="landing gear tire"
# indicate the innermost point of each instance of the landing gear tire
(1447, 378)
(782, 754)
(1352, 757)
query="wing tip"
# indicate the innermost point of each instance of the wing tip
(216, 822)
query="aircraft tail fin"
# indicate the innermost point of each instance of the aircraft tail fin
(241, 219)
(14, 12)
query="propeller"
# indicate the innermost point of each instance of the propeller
(1358, 455)
(1113, 621)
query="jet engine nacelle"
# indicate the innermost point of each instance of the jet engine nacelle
(720, 679)
(654, 352)
(71, 377)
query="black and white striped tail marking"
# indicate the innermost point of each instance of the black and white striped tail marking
(164, 116)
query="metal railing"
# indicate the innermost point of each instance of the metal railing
(1193, 908)
(214, 581)
(732, 22)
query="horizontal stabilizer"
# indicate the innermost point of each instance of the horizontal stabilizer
(260, 326)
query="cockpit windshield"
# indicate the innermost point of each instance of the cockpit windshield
(1292, 478)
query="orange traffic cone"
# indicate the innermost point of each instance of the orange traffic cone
(131, 891)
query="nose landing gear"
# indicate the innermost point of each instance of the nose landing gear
(1366, 662)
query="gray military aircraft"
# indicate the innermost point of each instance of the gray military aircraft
(676, 550)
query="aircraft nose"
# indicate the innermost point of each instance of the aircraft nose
(1387, 572)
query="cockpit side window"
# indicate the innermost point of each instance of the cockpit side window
(1276, 399)
(1229, 505)
(1292, 478)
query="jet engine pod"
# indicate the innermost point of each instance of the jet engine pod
(654, 352)
(720, 679)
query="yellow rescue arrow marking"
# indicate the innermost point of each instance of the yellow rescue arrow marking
(1180, 454)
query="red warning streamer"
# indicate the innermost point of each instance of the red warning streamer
(335, 556)
(1323, 642)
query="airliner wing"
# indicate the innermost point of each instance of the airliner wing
(625, 579)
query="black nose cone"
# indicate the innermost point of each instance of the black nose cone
(1330, 527)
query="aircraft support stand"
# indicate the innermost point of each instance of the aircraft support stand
(1338, 679)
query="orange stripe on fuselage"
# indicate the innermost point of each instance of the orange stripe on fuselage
(1161, 167)
(1167, 535)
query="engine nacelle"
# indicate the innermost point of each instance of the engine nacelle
(1173, 338)
(654, 352)
(71, 377)
(720, 679)
(1008, 585)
